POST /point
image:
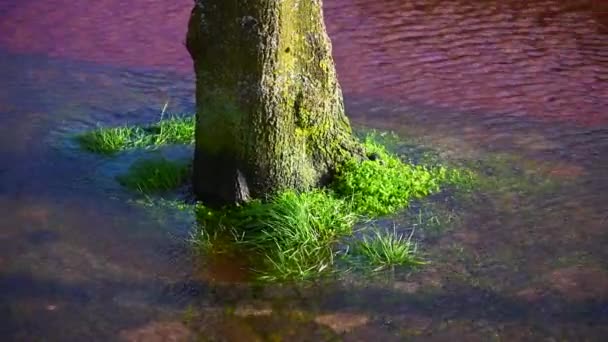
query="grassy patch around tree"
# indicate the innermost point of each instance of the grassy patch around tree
(293, 236)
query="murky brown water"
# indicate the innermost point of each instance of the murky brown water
(518, 88)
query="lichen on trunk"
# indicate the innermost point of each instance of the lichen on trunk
(270, 113)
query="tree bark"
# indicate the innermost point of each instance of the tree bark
(270, 113)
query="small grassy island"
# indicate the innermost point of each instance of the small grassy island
(292, 235)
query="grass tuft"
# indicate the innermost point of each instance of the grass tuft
(388, 250)
(172, 130)
(293, 233)
(155, 175)
(105, 140)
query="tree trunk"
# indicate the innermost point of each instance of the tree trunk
(270, 113)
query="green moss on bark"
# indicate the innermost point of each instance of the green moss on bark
(270, 110)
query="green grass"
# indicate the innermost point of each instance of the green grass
(155, 175)
(171, 130)
(293, 234)
(386, 185)
(387, 250)
(174, 130)
(106, 140)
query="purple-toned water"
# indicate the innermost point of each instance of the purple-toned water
(520, 86)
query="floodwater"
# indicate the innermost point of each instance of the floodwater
(519, 89)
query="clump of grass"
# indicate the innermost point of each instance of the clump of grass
(385, 184)
(171, 130)
(296, 233)
(388, 250)
(292, 233)
(154, 175)
(106, 140)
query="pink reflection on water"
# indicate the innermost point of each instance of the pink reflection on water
(138, 33)
(542, 58)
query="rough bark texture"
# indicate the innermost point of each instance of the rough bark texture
(270, 114)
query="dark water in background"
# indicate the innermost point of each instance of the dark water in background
(521, 84)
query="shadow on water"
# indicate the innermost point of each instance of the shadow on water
(386, 311)
(516, 91)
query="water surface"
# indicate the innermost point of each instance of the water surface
(519, 90)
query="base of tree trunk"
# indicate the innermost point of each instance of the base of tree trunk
(270, 113)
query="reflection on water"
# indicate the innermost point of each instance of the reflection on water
(515, 89)
(487, 56)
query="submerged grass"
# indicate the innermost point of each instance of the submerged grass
(292, 235)
(388, 250)
(155, 175)
(106, 140)
(171, 130)
(295, 234)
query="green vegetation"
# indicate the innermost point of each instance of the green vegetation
(172, 130)
(292, 236)
(434, 218)
(505, 173)
(386, 184)
(388, 250)
(106, 140)
(295, 234)
(153, 175)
